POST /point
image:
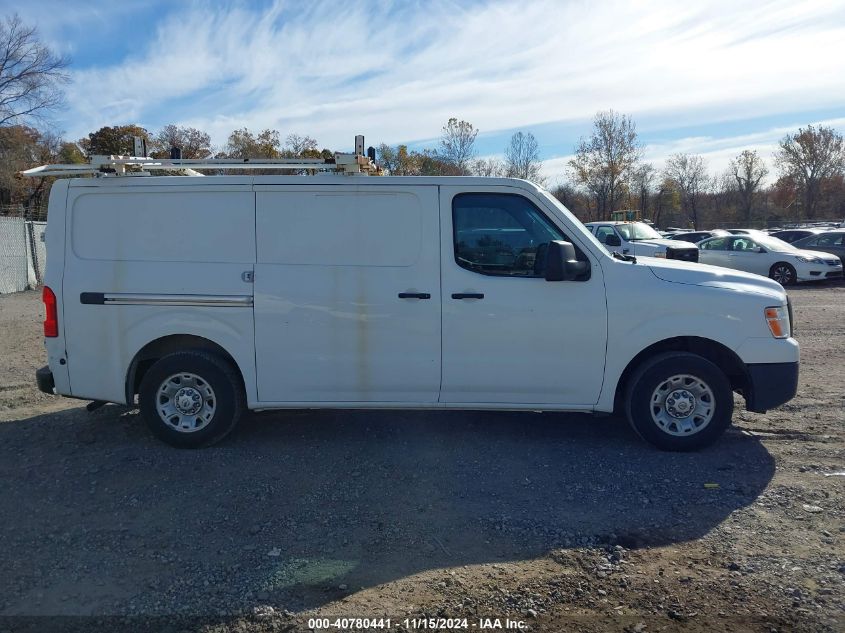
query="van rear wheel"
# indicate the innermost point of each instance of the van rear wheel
(191, 399)
(679, 401)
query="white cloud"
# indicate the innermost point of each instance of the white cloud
(500, 65)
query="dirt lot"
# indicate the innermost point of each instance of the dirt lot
(563, 522)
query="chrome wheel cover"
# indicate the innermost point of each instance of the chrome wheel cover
(682, 405)
(185, 402)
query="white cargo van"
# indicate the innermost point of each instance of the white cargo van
(203, 297)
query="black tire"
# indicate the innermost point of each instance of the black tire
(657, 370)
(226, 397)
(783, 273)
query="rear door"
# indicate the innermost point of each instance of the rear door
(347, 294)
(510, 336)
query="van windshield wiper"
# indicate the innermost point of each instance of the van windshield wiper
(624, 258)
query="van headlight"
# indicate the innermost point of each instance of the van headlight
(778, 320)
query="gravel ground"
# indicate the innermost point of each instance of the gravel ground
(562, 522)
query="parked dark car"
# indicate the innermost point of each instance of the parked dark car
(696, 236)
(832, 242)
(793, 235)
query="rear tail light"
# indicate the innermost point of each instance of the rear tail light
(51, 313)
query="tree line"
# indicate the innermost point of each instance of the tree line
(606, 173)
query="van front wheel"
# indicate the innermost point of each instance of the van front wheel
(191, 399)
(679, 401)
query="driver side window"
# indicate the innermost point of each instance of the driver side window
(744, 244)
(500, 234)
(602, 232)
(718, 244)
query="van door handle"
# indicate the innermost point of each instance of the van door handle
(468, 295)
(414, 295)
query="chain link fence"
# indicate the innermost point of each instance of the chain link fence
(23, 253)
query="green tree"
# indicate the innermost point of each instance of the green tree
(69, 153)
(116, 140)
(244, 144)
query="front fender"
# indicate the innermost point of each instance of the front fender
(644, 310)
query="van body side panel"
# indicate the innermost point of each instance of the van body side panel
(330, 324)
(54, 241)
(132, 250)
(527, 340)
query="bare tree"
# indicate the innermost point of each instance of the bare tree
(457, 144)
(488, 168)
(688, 174)
(522, 157)
(30, 73)
(642, 185)
(193, 142)
(809, 157)
(299, 146)
(748, 170)
(665, 201)
(603, 163)
(723, 192)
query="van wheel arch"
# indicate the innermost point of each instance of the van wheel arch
(717, 353)
(160, 347)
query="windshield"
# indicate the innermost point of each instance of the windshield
(773, 244)
(637, 231)
(585, 233)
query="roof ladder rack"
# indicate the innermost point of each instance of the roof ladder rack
(341, 163)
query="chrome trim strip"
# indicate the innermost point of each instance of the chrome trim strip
(219, 301)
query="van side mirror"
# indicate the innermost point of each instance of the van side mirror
(613, 240)
(562, 263)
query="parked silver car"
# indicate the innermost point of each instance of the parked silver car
(832, 242)
(769, 256)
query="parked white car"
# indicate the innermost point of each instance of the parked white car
(769, 256)
(640, 239)
(205, 297)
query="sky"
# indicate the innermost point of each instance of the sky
(709, 77)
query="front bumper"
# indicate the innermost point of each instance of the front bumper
(44, 380)
(770, 385)
(817, 272)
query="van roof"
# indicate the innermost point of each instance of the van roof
(368, 181)
(614, 222)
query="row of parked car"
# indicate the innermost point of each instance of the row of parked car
(786, 255)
